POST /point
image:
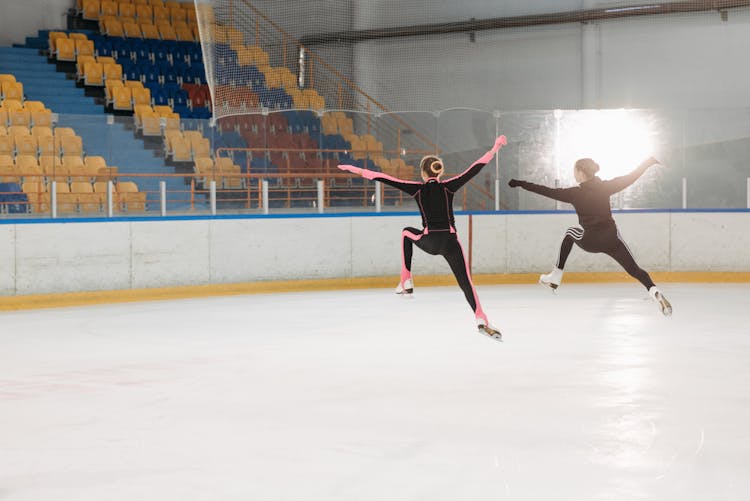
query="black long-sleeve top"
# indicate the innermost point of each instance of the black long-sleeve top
(434, 197)
(591, 198)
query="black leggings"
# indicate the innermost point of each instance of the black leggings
(608, 241)
(446, 244)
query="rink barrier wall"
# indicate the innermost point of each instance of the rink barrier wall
(185, 256)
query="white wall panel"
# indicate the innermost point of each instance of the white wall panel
(710, 242)
(7, 260)
(170, 253)
(22, 18)
(58, 257)
(72, 257)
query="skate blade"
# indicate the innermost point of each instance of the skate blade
(490, 332)
(665, 306)
(548, 285)
(406, 292)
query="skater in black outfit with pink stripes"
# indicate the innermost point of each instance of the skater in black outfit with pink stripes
(438, 234)
(598, 231)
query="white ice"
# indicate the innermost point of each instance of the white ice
(363, 395)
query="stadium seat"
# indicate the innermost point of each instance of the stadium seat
(131, 198)
(93, 74)
(122, 98)
(88, 201)
(52, 39)
(109, 87)
(6, 145)
(112, 72)
(26, 145)
(161, 13)
(66, 201)
(91, 9)
(108, 8)
(132, 30)
(114, 28)
(20, 117)
(71, 146)
(8, 173)
(144, 13)
(81, 66)
(46, 145)
(127, 9)
(141, 96)
(12, 91)
(149, 31)
(84, 47)
(36, 193)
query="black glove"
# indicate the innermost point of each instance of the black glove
(514, 182)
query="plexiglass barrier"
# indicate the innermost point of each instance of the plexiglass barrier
(285, 161)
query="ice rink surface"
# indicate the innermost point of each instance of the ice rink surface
(363, 395)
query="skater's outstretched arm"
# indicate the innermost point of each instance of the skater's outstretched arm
(620, 183)
(560, 194)
(456, 182)
(410, 187)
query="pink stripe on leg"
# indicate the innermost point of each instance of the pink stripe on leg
(479, 312)
(405, 273)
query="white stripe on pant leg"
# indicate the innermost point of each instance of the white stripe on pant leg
(573, 232)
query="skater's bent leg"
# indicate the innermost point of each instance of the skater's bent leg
(460, 267)
(408, 237)
(622, 255)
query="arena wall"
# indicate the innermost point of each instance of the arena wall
(54, 257)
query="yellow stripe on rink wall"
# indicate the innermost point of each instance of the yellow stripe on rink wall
(10, 303)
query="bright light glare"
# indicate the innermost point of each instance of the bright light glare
(618, 140)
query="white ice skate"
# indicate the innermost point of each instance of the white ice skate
(488, 330)
(552, 279)
(405, 288)
(664, 305)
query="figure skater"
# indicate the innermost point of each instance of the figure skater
(438, 234)
(598, 231)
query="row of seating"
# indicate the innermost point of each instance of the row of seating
(92, 10)
(153, 121)
(65, 169)
(129, 28)
(84, 196)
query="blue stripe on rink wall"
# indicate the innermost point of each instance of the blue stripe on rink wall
(129, 219)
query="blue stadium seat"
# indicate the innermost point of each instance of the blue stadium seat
(12, 199)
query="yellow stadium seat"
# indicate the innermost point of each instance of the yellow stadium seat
(60, 134)
(184, 34)
(48, 164)
(91, 10)
(94, 163)
(106, 60)
(81, 65)
(76, 168)
(20, 117)
(134, 84)
(112, 72)
(180, 24)
(141, 96)
(204, 166)
(66, 201)
(144, 13)
(171, 121)
(52, 40)
(192, 15)
(93, 74)
(6, 145)
(78, 36)
(132, 199)
(8, 172)
(178, 14)
(3, 130)
(109, 86)
(122, 98)
(109, 8)
(180, 149)
(171, 4)
(141, 2)
(41, 131)
(166, 32)
(66, 49)
(132, 30)
(113, 27)
(46, 145)
(28, 168)
(88, 201)
(149, 31)
(127, 9)
(229, 171)
(26, 145)
(71, 146)
(201, 147)
(161, 14)
(151, 124)
(138, 112)
(13, 91)
(42, 117)
(36, 193)
(34, 106)
(196, 32)
(84, 48)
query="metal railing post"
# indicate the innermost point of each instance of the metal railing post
(378, 197)
(264, 190)
(684, 193)
(163, 197)
(110, 198)
(320, 185)
(212, 195)
(53, 199)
